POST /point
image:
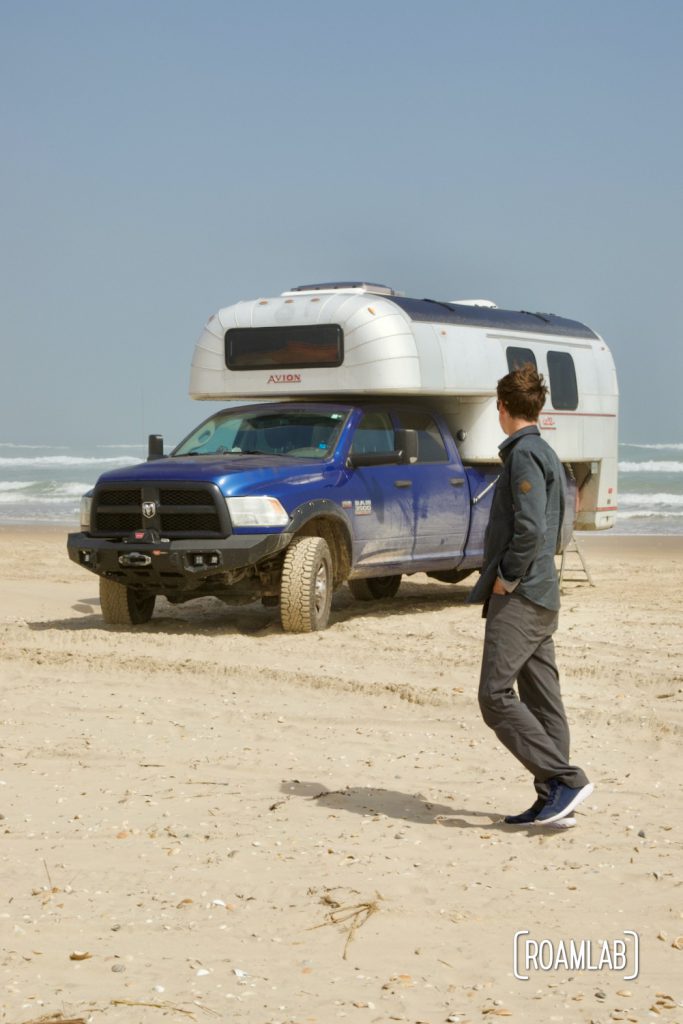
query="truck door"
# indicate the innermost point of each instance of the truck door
(381, 497)
(439, 492)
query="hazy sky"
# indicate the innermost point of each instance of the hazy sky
(163, 159)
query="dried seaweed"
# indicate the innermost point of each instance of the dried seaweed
(357, 914)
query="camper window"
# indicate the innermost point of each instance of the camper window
(430, 445)
(284, 348)
(564, 393)
(517, 357)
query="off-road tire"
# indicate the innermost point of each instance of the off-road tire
(306, 585)
(123, 606)
(377, 588)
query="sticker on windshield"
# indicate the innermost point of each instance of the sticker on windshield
(362, 507)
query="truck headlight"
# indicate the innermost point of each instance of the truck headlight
(86, 509)
(256, 511)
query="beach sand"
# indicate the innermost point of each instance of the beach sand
(207, 819)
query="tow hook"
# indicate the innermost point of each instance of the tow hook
(134, 559)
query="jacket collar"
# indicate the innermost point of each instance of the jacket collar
(505, 448)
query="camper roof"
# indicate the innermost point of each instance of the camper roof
(467, 312)
(490, 316)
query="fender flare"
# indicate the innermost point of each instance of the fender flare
(323, 508)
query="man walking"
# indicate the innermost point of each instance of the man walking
(521, 595)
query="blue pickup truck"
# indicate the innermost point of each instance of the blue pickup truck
(284, 502)
(368, 451)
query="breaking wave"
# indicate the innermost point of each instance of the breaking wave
(674, 446)
(62, 461)
(651, 466)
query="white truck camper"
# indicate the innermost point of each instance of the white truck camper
(341, 340)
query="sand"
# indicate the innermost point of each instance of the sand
(207, 819)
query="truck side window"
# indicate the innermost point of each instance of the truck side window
(430, 445)
(374, 433)
(517, 357)
(564, 393)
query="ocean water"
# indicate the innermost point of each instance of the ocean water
(44, 483)
(650, 495)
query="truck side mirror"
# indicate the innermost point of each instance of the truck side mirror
(155, 447)
(406, 443)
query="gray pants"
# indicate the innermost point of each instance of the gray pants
(518, 646)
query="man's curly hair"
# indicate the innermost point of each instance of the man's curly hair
(523, 392)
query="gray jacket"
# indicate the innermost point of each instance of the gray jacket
(523, 533)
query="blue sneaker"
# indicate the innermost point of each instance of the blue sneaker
(526, 817)
(561, 801)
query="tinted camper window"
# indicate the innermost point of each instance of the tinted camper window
(518, 357)
(284, 348)
(564, 393)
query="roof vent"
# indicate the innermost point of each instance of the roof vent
(474, 302)
(343, 286)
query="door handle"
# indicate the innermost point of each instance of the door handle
(403, 483)
(457, 481)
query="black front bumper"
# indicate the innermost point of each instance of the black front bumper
(163, 566)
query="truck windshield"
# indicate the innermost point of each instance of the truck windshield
(303, 434)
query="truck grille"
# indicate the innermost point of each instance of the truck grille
(180, 510)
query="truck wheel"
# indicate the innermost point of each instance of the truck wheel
(374, 589)
(306, 585)
(123, 606)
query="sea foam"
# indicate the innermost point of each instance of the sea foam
(61, 461)
(651, 466)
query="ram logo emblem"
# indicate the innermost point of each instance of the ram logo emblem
(149, 509)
